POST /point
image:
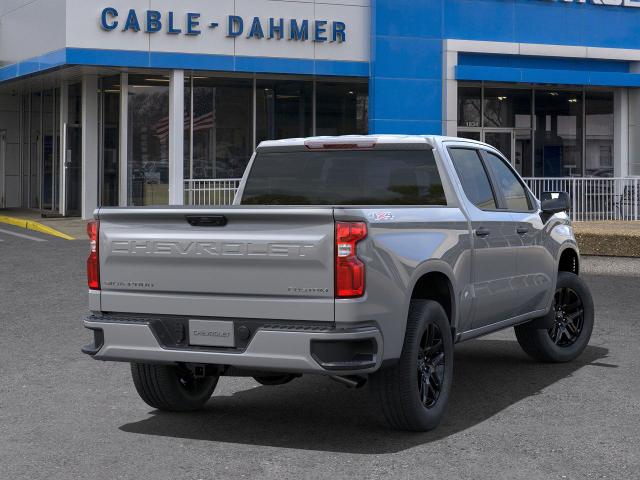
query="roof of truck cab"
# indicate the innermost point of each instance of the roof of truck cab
(431, 140)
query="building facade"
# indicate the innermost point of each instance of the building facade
(151, 102)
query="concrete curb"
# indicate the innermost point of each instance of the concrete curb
(35, 226)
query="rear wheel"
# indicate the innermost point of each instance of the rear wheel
(172, 387)
(573, 314)
(414, 392)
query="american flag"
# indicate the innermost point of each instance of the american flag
(203, 122)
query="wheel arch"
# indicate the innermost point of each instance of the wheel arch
(434, 281)
(569, 260)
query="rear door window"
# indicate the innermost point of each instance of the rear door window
(344, 177)
(473, 177)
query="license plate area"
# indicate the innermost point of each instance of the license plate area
(211, 333)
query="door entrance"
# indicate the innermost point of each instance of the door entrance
(3, 154)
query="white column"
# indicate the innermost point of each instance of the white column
(176, 138)
(90, 173)
(620, 133)
(62, 148)
(123, 180)
(449, 91)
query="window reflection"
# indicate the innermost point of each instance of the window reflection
(283, 109)
(469, 106)
(34, 145)
(148, 140)
(219, 126)
(341, 108)
(558, 136)
(222, 127)
(110, 90)
(599, 134)
(507, 107)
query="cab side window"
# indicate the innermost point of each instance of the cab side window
(473, 177)
(515, 196)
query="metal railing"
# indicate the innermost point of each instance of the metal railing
(593, 198)
(213, 191)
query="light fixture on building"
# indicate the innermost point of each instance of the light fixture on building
(553, 94)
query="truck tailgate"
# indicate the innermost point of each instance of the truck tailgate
(260, 263)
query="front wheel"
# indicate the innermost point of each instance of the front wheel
(574, 316)
(414, 392)
(172, 387)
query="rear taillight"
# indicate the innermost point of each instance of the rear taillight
(93, 262)
(349, 268)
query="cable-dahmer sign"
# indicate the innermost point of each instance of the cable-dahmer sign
(192, 23)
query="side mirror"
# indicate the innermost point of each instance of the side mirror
(554, 202)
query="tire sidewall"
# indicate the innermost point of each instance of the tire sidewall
(423, 313)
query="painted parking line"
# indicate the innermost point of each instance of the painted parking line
(22, 235)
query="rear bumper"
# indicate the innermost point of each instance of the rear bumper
(295, 350)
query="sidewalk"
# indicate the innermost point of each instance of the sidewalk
(71, 226)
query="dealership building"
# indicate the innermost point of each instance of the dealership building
(151, 102)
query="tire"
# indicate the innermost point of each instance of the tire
(574, 317)
(405, 405)
(172, 387)
(269, 380)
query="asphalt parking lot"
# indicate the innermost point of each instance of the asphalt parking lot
(65, 416)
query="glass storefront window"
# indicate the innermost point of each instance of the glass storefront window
(341, 108)
(283, 109)
(507, 107)
(110, 90)
(569, 134)
(75, 104)
(73, 154)
(469, 106)
(222, 127)
(33, 140)
(148, 140)
(49, 163)
(558, 136)
(599, 134)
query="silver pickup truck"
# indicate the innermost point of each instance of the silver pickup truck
(361, 258)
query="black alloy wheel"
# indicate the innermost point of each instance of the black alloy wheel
(431, 366)
(569, 316)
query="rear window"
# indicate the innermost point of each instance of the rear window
(344, 177)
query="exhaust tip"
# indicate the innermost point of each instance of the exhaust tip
(350, 381)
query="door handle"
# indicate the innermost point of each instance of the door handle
(522, 230)
(207, 221)
(483, 232)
